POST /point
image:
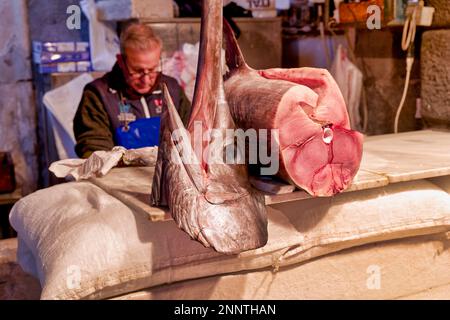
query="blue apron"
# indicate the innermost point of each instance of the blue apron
(141, 133)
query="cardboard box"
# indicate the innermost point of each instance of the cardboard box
(259, 8)
(119, 10)
(70, 46)
(55, 52)
(61, 67)
(357, 11)
(55, 57)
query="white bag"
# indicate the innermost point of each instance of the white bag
(101, 162)
(350, 80)
(104, 41)
(62, 104)
(182, 65)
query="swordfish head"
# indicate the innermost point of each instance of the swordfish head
(210, 200)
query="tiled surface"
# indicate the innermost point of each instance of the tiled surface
(408, 156)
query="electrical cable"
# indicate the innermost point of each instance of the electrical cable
(408, 35)
(409, 30)
(409, 63)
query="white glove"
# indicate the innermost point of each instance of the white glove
(97, 165)
(141, 157)
(101, 162)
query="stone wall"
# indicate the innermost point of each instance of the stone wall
(435, 73)
(22, 22)
(17, 109)
(18, 131)
(442, 13)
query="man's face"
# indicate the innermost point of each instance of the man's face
(144, 67)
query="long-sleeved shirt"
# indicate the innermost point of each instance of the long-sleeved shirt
(96, 119)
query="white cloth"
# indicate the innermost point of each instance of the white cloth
(101, 162)
(350, 80)
(182, 66)
(81, 242)
(104, 42)
(62, 104)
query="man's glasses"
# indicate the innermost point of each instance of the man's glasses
(138, 74)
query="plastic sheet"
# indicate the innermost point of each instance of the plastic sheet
(104, 41)
(350, 81)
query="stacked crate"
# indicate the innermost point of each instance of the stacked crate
(54, 57)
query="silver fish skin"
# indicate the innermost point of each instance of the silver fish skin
(210, 200)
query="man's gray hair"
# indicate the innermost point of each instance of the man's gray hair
(139, 36)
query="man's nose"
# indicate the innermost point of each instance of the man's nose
(147, 78)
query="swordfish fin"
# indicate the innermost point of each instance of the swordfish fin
(173, 120)
(204, 102)
(182, 148)
(233, 54)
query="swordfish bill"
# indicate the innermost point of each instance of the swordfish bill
(210, 199)
(318, 151)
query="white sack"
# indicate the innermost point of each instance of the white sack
(101, 162)
(350, 80)
(62, 103)
(104, 42)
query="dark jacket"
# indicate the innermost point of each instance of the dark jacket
(96, 118)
